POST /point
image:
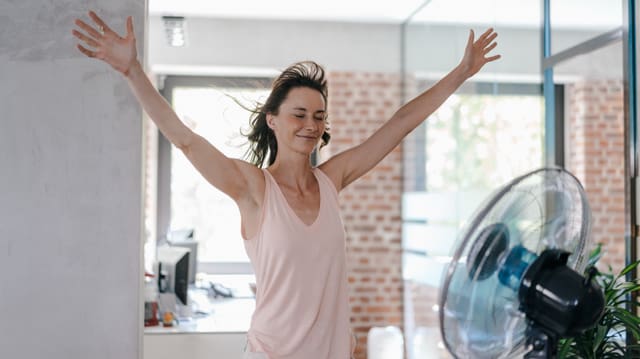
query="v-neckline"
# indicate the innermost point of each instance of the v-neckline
(290, 209)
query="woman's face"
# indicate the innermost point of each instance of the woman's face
(300, 121)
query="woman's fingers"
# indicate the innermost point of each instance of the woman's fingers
(470, 39)
(488, 49)
(487, 43)
(487, 38)
(485, 34)
(99, 22)
(89, 41)
(130, 27)
(90, 30)
(86, 51)
(490, 38)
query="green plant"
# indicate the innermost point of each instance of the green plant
(607, 339)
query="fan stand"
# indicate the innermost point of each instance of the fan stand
(542, 344)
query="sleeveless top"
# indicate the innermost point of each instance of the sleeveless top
(301, 283)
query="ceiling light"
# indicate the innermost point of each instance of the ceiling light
(175, 30)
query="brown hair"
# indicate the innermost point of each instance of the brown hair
(262, 140)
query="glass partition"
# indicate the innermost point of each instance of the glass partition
(492, 130)
(576, 21)
(489, 132)
(593, 116)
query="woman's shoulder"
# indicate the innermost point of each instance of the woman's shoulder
(329, 171)
(248, 169)
(255, 178)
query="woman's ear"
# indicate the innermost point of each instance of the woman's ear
(270, 121)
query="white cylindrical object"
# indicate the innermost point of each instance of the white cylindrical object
(425, 343)
(385, 343)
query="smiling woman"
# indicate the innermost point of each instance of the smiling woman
(300, 92)
(290, 215)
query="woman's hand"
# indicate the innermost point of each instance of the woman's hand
(476, 51)
(119, 52)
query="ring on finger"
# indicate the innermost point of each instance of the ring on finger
(101, 30)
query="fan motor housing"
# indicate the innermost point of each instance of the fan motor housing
(557, 298)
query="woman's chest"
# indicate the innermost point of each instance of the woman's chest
(305, 206)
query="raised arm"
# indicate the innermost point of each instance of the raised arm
(228, 175)
(349, 165)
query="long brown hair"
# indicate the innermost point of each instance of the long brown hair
(262, 140)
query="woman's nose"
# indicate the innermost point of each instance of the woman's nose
(310, 124)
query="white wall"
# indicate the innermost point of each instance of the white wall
(272, 44)
(70, 188)
(433, 50)
(250, 46)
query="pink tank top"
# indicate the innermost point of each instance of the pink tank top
(301, 283)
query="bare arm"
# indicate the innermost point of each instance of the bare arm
(349, 165)
(228, 175)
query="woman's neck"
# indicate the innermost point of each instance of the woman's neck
(294, 172)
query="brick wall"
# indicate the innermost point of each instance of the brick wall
(423, 297)
(359, 103)
(595, 115)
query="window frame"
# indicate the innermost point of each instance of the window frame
(165, 148)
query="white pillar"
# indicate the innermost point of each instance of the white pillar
(70, 188)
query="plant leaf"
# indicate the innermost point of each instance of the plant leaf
(629, 268)
(564, 347)
(595, 255)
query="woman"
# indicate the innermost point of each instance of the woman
(289, 210)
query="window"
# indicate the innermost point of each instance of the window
(210, 107)
(480, 138)
(473, 144)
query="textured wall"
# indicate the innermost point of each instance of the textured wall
(595, 111)
(70, 188)
(359, 103)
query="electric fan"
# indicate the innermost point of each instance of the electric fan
(514, 284)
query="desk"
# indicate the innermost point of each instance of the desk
(219, 335)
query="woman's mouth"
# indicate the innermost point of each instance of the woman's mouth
(310, 138)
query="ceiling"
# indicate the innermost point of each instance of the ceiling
(324, 10)
(566, 13)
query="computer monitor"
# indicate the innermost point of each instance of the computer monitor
(184, 238)
(173, 271)
(184, 234)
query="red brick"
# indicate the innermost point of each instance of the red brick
(596, 157)
(371, 205)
